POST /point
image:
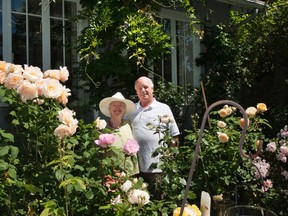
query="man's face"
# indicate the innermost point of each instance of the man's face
(144, 89)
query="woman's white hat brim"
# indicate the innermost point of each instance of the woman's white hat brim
(104, 104)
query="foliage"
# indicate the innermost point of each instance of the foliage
(120, 43)
(244, 57)
(52, 165)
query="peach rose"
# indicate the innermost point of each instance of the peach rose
(242, 121)
(27, 91)
(13, 80)
(223, 137)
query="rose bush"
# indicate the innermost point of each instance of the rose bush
(53, 164)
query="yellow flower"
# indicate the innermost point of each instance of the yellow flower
(189, 210)
(261, 107)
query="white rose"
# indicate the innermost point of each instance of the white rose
(139, 197)
(100, 123)
(126, 186)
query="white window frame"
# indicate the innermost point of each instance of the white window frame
(174, 16)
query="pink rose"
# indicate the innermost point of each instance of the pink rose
(131, 147)
(105, 140)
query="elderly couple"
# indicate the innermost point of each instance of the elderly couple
(123, 113)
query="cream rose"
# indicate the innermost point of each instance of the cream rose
(251, 111)
(139, 197)
(32, 73)
(51, 88)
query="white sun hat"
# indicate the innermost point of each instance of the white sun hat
(104, 104)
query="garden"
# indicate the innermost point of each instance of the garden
(55, 164)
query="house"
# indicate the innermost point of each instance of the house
(35, 32)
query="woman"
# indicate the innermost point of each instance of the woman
(115, 108)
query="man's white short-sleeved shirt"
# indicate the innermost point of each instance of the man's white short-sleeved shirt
(147, 138)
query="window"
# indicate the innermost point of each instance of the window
(38, 32)
(179, 66)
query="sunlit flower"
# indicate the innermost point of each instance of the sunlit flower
(105, 140)
(65, 116)
(100, 123)
(242, 122)
(131, 147)
(64, 74)
(221, 124)
(251, 111)
(54, 74)
(63, 131)
(228, 109)
(139, 197)
(65, 93)
(189, 210)
(27, 91)
(261, 107)
(223, 137)
(223, 113)
(126, 186)
(13, 81)
(117, 200)
(32, 73)
(51, 88)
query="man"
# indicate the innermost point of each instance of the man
(149, 111)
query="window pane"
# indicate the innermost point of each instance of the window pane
(1, 37)
(184, 53)
(56, 9)
(70, 9)
(18, 5)
(34, 7)
(35, 41)
(56, 43)
(19, 39)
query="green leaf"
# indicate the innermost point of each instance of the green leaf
(59, 175)
(14, 152)
(8, 136)
(89, 195)
(4, 150)
(3, 166)
(12, 172)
